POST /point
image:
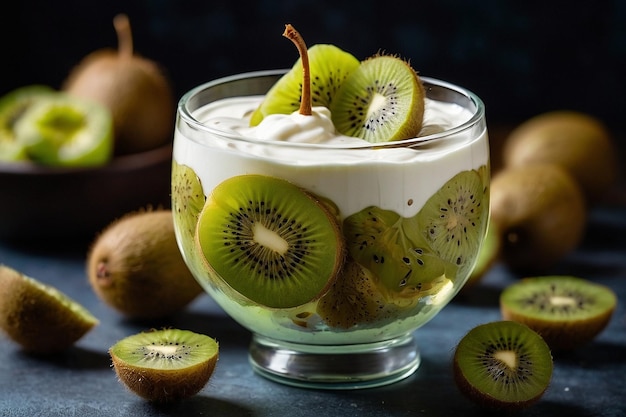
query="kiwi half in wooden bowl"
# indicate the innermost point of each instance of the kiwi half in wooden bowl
(39, 203)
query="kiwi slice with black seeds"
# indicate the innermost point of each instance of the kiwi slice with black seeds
(502, 365)
(566, 311)
(384, 242)
(454, 220)
(270, 240)
(187, 201)
(165, 365)
(329, 66)
(39, 317)
(381, 100)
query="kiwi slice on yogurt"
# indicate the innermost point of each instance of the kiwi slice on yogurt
(454, 220)
(270, 241)
(38, 316)
(187, 201)
(165, 365)
(502, 365)
(382, 100)
(329, 66)
(566, 311)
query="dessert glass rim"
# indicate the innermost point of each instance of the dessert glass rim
(471, 101)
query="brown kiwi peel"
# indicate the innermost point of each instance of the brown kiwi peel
(134, 88)
(135, 266)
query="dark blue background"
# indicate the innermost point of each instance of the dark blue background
(520, 57)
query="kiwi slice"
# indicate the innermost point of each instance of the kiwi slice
(270, 241)
(165, 365)
(38, 316)
(502, 365)
(385, 243)
(353, 299)
(382, 100)
(62, 130)
(566, 311)
(453, 221)
(329, 67)
(12, 107)
(187, 202)
(487, 256)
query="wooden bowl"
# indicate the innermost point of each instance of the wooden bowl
(41, 205)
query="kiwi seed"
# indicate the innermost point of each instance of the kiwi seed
(136, 267)
(566, 311)
(502, 365)
(165, 365)
(270, 241)
(38, 316)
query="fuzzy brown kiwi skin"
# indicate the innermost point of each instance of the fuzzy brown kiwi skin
(135, 266)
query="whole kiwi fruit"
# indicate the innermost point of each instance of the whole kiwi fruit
(540, 211)
(576, 141)
(134, 88)
(135, 266)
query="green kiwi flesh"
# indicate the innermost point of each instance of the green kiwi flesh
(454, 220)
(381, 100)
(165, 365)
(270, 241)
(12, 107)
(187, 201)
(566, 311)
(329, 66)
(502, 365)
(389, 246)
(39, 317)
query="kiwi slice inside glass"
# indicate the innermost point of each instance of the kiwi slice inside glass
(386, 244)
(381, 100)
(566, 311)
(454, 220)
(502, 365)
(165, 365)
(329, 67)
(270, 240)
(187, 201)
(39, 317)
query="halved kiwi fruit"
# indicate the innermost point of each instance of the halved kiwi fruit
(270, 240)
(566, 311)
(329, 66)
(165, 365)
(381, 100)
(453, 221)
(502, 365)
(38, 316)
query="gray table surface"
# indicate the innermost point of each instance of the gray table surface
(590, 381)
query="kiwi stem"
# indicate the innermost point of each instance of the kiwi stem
(124, 35)
(305, 101)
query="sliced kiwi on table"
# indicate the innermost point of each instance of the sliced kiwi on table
(165, 365)
(39, 317)
(270, 240)
(381, 100)
(353, 299)
(62, 130)
(382, 241)
(453, 221)
(329, 66)
(187, 201)
(566, 311)
(502, 365)
(12, 107)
